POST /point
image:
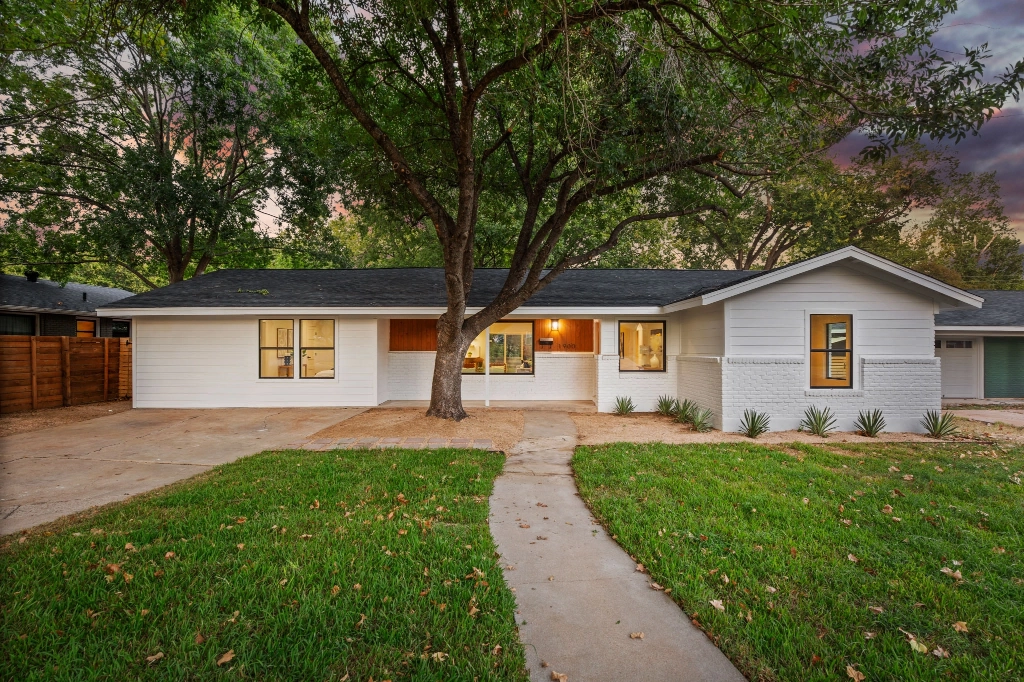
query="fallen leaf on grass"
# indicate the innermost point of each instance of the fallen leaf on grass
(496, 650)
(894, 470)
(951, 573)
(717, 603)
(656, 586)
(806, 501)
(240, 545)
(473, 610)
(636, 635)
(640, 568)
(876, 609)
(335, 590)
(284, 582)
(131, 548)
(887, 509)
(918, 647)
(999, 550)
(154, 658)
(112, 568)
(852, 558)
(725, 579)
(169, 555)
(854, 674)
(439, 656)
(770, 589)
(199, 638)
(362, 619)
(357, 587)
(908, 477)
(960, 626)
(305, 536)
(870, 635)
(226, 657)
(939, 652)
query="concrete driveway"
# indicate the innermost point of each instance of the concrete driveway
(53, 472)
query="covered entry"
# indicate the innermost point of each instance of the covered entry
(960, 367)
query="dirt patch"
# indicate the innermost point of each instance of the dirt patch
(504, 428)
(23, 422)
(976, 430)
(598, 428)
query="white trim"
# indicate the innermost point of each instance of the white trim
(846, 253)
(568, 312)
(947, 329)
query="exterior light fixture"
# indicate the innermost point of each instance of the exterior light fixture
(554, 325)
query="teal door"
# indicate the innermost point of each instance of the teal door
(1004, 367)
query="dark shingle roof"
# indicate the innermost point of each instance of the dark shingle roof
(18, 292)
(1001, 309)
(424, 287)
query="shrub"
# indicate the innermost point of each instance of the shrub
(703, 419)
(685, 410)
(938, 424)
(624, 405)
(754, 423)
(818, 422)
(870, 423)
(667, 405)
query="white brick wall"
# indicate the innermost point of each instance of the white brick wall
(700, 380)
(643, 387)
(903, 388)
(557, 376)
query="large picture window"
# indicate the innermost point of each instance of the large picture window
(831, 351)
(316, 348)
(510, 349)
(277, 349)
(642, 346)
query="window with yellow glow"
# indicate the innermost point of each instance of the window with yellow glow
(277, 349)
(831, 351)
(642, 346)
(510, 350)
(316, 349)
(85, 328)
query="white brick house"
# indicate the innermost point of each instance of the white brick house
(847, 329)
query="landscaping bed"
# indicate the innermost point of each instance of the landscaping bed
(284, 565)
(830, 562)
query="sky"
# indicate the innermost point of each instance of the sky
(999, 146)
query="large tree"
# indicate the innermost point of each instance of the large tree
(153, 148)
(562, 112)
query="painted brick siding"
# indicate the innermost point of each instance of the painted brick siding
(643, 387)
(903, 388)
(700, 380)
(558, 376)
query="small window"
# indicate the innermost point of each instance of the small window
(938, 343)
(121, 329)
(642, 346)
(86, 328)
(277, 349)
(316, 340)
(510, 350)
(17, 324)
(959, 344)
(831, 351)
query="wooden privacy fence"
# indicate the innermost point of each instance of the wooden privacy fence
(53, 371)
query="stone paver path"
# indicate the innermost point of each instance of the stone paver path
(578, 593)
(1010, 417)
(376, 443)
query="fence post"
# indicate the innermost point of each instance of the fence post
(32, 371)
(106, 369)
(65, 370)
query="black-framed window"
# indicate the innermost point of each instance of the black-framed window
(121, 329)
(316, 349)
(277, 349)
(831, 351)
(22, 325)
(509, 348)
(642, 345)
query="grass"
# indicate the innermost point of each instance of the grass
(696, 514)
(307, 565)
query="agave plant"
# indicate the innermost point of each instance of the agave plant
(817, 421)
(624, 405)
(870, 423)
(938, 424)
(685, 410)
(667, 405)
(703, 419)
(754, 423)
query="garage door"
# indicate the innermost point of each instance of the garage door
(959, 367)
(1004, 367)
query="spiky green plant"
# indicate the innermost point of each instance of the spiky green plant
(624, 405)
(818, 421)
(870, 423)
(667, 405)
(685, 410)
(703, 420)
(754, 423)
(939, 424)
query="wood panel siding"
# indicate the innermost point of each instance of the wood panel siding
(38, 372)
(413, 335)
(573, 336)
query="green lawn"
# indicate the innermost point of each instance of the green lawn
(795, 605)
(306, 565)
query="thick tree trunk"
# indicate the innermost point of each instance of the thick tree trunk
(446, 389)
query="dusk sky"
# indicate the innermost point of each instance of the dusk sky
(1000, 145)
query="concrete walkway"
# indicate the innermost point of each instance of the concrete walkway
(579, 595)
(52, 472)
(1009, 417)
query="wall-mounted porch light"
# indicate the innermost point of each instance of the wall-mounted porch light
(554, 325)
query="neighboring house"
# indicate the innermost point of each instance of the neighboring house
(982, 350)
(39, 307)
(847, 329)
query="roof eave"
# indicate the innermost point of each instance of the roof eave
(377, 311)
